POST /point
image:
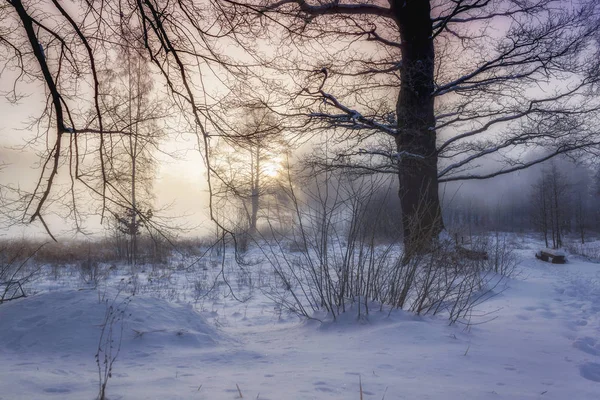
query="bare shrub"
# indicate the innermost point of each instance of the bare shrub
(440, 281)
(339, 260)
(16, 268)
(329, 258)
(589, 250)
(109, 344)
(501, 256)
(92, 273)
(70, 252)
(155, 249)
(195, 247)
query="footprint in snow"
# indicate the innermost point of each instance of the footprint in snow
(324, 389)
(548, 314)
(321, 386)
(588, 345)
(575, 325)
(59, 372)
(590, 371)
(24, 364)
(56, 390)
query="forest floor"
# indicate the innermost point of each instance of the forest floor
(538, 338)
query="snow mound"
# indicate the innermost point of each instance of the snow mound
(70, 322)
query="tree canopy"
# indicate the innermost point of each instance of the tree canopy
(428, 90)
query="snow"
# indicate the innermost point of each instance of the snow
(553, 252)
(66, 323)
(537, 339)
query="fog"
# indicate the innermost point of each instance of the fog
(182, 198)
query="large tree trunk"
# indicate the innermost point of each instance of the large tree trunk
(416, 140)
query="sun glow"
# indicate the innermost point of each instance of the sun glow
(272, 167)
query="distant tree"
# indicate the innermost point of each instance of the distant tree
(540, 215)
(248, 170)
(595, 200)
(130, 106)
(580, 216)
(582, 201)
(550, 210)
(127, 227)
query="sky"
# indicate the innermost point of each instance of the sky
(180, 186)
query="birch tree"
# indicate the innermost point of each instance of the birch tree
(130, 106)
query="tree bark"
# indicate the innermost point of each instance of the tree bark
(416, 139)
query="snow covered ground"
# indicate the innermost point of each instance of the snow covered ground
(538, 339)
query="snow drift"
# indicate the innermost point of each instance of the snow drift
(70, 322)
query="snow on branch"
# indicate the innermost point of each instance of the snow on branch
(333, 7)
(515, 167)
(440, 23)
(391, 155)
(355, 119)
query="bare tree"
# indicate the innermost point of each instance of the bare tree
(595, 200)
(559, 205)
(580, 215)
(465, 77)
(66, 48)
(582, 201)
(130, 105)
(247, 170)
(551, 205)
(540, 199)
(426, 90)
